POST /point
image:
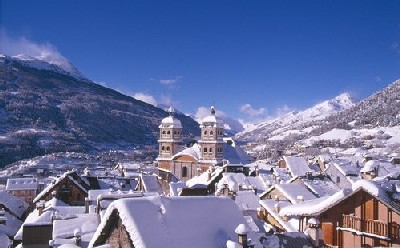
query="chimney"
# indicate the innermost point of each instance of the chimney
(257, 171)
(309, 175)
(314, 231)
(300, 199)
(277, 207)
(40, 207)
(77, 236)
(87, 203)
(208, 175)
(242, 231)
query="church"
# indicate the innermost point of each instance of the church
(211, 150)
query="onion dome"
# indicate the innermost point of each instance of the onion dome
(170, 121)
(212, 120)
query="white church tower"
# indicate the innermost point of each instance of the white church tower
(211, 142)
(170, 136)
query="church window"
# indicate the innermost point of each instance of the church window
(184, 171)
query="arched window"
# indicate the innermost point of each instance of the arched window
(184, 172)
(205, 149)
(167, 148)
(210, 150)
(211, 133)
(163, 148)
(168, 132)
(163, 132)
(174, 132)
(205, 132)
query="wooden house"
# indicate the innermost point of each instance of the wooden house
(69, 188)
(367, 215)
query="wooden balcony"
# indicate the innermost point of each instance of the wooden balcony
(376, 227)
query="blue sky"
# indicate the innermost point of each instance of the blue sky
(251, 59)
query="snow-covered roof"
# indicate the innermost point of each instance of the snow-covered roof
(159, 221)
(53, 206)
(13, 203)
(176, 188)
(193, 151)
(12, 225)
(370, 166)
(317, 206)
(86, 223)
(151, 184)
(321, 187)
(247, 200)
(25, 183)
(297, 166)
(292, 190)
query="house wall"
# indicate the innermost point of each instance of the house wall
(119, 237)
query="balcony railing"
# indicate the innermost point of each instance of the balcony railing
(391, 230)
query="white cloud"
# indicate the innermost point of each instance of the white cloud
(171, 81)
(283, 110)
(145, 98)
(247, 109)
(44, 51)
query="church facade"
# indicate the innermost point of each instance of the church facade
(192, 161)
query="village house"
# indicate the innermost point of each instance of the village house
(24, 188)
(365, 215)
(69, 188)
(158, 221)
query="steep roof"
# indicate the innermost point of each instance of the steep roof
(297, 166)
(158, 221)
(13, 203)
(71, 175)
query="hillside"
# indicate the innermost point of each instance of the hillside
(45, 108)
(297, 123)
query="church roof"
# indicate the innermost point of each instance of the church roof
(170, 122)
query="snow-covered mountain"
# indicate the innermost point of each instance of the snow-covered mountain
(61, 66)
(45, 108)
(297, 122)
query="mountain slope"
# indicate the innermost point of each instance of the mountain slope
(46, 109)
(297, 122)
